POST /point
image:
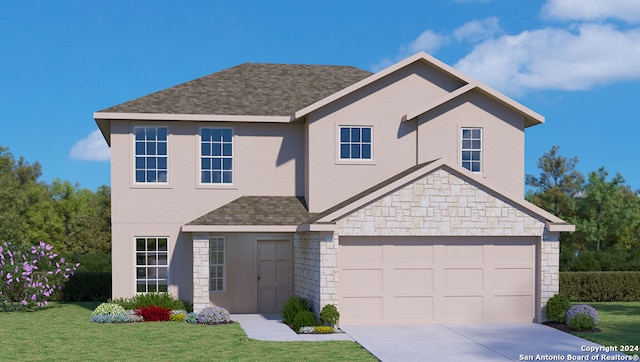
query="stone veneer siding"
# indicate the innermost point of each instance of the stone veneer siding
(440, 204)
(200, 272)
(315, 267)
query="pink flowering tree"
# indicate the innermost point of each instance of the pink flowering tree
(30, 276)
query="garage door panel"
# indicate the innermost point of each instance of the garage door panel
(513, 308)
(405, 253)
(513, 254)
(362, 309)
(463, 309)
(411, 281)
(362, 252)
(412, 309)
(513, 279)
(464, 254)
(467, 280)
(362, 280)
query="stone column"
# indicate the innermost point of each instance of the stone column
(200, 272)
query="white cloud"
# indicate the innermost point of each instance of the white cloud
(627, 10)
(429, 42)
(478, 30)
(555, 58)
(91, 148)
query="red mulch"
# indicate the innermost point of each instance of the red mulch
(565, 328)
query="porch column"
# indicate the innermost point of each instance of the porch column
(200, 272)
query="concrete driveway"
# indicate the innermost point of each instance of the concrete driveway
(475, 342)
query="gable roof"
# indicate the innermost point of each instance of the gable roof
(290, 214)
(253, 89)
(531, 118)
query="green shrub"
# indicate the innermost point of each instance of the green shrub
(304, 318)
(582, 317)
(581, 322)
(600, 286)
(87, 287)
(324, 330)
(93, 262)
(329, 315)
(164, 300)
(292, 307)
(557, 308)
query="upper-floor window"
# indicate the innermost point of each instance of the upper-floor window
(151, 154)
(216, 155)
(472, 149)
(355, 143)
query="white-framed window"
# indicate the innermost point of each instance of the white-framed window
(471, 150)
(356, 143)
(152, 264)
(217, 272)
(151, 154)
(216, 156)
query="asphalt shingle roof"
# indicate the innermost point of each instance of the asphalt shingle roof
(282, 210)
(258, 210)
(253, 89)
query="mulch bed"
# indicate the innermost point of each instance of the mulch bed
(565, 328)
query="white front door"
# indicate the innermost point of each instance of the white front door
(275, 274)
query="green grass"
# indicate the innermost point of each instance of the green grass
(62, 331)
(619, 322)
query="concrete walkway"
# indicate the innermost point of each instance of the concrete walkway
(444, 342)
(269, 327)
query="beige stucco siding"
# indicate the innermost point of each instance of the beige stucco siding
(261, 152)
(267, 161)
(382, 106)
(502, 138)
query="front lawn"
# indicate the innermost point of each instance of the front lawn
(62, 331)
(619, 322)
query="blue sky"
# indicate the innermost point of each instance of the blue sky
(577, 62)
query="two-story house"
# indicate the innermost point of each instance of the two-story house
(396, 196)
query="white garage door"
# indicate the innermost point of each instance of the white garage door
(387, 280)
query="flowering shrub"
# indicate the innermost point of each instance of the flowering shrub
(324, 329)
(108, 309)
(307, 330)
(132, 316)
(214, 315)
(30, 276)
(582, 317)
(177, 315)
(113, 313)
(191, 317)
(154, 313)
(316, 330)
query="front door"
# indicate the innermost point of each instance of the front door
(275, 274)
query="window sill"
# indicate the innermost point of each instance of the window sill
(216, 187)
(150, 186)
(355, 162)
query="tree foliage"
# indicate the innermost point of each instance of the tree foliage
(604, 209)
(74, 221)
